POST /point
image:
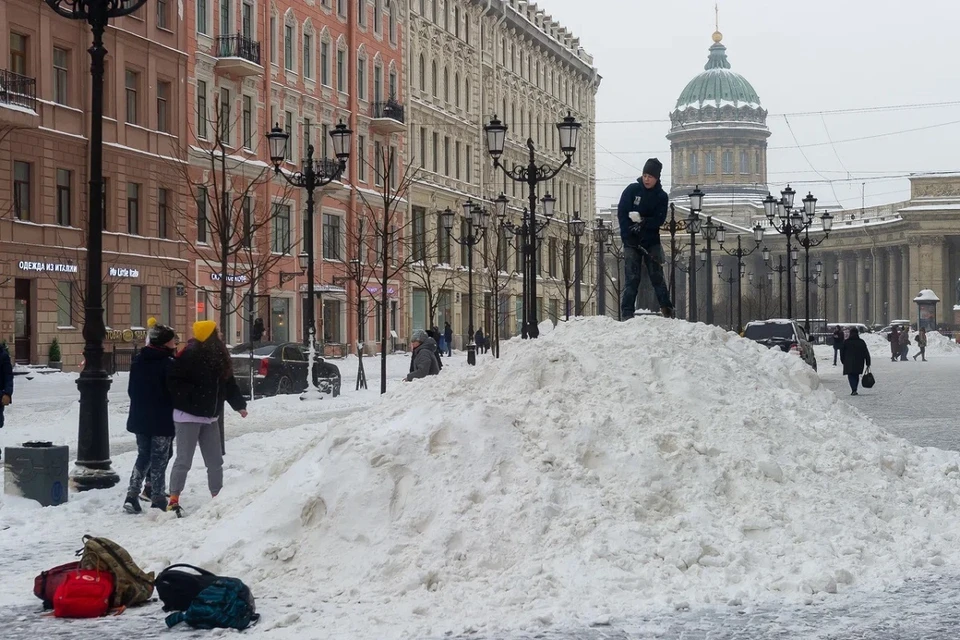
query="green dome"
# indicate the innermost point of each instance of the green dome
(718, 86)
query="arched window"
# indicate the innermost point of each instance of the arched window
(466, 95)
(456, 90)
(423, 73)
(710, 163)
(744, 161)
(434, 78)
(446, 85)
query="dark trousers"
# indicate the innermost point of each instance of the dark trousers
(922, 354)
(153, 453)
(836, 352)
(634, 260)
(854, 380)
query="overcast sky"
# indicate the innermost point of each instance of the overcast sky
(810, 56)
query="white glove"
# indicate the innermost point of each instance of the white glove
(635, 216)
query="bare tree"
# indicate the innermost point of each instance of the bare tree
(494, 258)
(431, 269)
(241, 233)
(615, 276)
(389, 227)
(362, 269)
(569, 274)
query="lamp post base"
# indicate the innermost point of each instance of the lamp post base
(85, 477)
(94, 436)
(313, 393)
(471, 354)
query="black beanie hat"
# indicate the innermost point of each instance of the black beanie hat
(161, 334)
(653, 167)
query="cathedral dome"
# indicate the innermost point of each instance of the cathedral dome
(717, 87)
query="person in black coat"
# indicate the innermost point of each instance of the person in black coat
(854, 355)
(200, 381)
(838, 338)
(448, 337)
(151, 417)
(256, 335)
(6, 380)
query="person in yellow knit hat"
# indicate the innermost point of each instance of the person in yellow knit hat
(200, 382)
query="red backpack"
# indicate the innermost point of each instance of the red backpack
(45, 584)
(84, 593)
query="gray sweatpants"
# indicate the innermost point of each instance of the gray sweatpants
(188, 435)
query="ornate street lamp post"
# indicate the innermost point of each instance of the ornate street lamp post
(826, 286)
(734, 277)
(577, 227)
(693, 224)
(601, 235)
(780, 269)
(532, 175)
(93, 468)
(673, 227)
(476, 219)
(807, 243)
(313, 174)
(739, 254)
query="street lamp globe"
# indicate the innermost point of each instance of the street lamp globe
(482, 217)
(341, 141)
(277, 139)
(577, 226)
(836, 275)
(569, 130)
(694, 223)
(721, 234)
(719, 268)
(601, 233)
(788, 195)
(304, 259)
(758, 233)
(703, 256)
(810, 206)
(770, 276)
(796, 268)
(496, 135)
(766, 254)
(467, 209)
(696, 200)
(548, 204)
(709, 229)
(750, 277)
(819, 267)
(502, 201)
(770, 207)
(827, 220)
(446, 217)
(794, 254)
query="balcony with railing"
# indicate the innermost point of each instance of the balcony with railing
(18, 99)
(388, 117)
(238, 55)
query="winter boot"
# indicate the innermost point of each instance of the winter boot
(132, 504)
(147, 492)
(174, 505)
(667, 312)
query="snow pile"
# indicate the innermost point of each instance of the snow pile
(604, 465)
(940, 345)
(601, 469)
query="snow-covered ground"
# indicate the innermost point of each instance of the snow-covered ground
(604, 472)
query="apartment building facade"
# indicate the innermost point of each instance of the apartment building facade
(44, 151)
(468, 60)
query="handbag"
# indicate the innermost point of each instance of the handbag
(868, 380)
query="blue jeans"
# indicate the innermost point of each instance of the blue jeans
(634, 260)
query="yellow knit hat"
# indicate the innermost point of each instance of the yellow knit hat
(151, 322)
(203, 329)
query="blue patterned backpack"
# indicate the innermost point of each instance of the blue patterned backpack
(226, 603)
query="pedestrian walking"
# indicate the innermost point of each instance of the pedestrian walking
(479, 340)
(256, 335)
(837, 343)
(922, 344)
(448, 337)
(151, 418)
(641, 211)
(904, 339)
(855, 356)
(894, 339)
(201, 381)
(424, 361)
(6, 380)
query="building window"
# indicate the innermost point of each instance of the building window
(443, 242)
(273, 39)
(202, 26)
(21, 190)
(466, 95)
(434, 79)
(423, 73)
(64, 304)
(378, 163)
(325, 64)
(552, 258)
(342, 7)
(361, 78)
(446, 155)
(423, 147)
(202, 109)
(331, 321)
(64, 180)
(419, 234)
(436, 151)
(727, 158)
(710, 163)
(202, 222)
(456, 90)
(693, 169)
(133, 208)
(341, 70)
(392, 22)
(60, 76)
(163, 14)
(18, 53)
(136, 306)
(163, 213)
(744, 161)
(288, 47)
(246, 20)
(433, 10)
(280, 233)
(132, 85)
(331, 237)
(246, 239)
(446, 85)
(378, 83)
(226, 26)
(168, 306)
(225, 116)
(469, 163)
(362, 12)
(361, 159)
(377, 17)
(288, 127)
(163, 97)
(308, 56)
(247, 122)
(393, 85)
(456, 160)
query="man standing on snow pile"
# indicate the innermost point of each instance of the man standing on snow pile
(642, 209)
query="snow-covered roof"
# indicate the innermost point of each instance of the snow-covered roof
(927, 295)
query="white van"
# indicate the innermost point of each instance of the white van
(846, 326)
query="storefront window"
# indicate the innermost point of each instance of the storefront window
(280, 319)
(331, 322)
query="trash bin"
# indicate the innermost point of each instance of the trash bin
(38, 471)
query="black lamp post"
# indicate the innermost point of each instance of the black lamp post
(577, 227)
(313, 174)
(734, 277)
(532, 175)
(93, 468)
(529, 233)
(826, 286)
(476, 219)
(601, 235)
(709, 232)
(739, 254)
(780, 269)
(791, 222)
(693, 227)
(673, 227)
(807, 243)
(759, 285)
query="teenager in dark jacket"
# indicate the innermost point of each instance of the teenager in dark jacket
(641, 211)
(855, 356)
(448, 337)
(6, 380)
(151, 417)
(200, 381)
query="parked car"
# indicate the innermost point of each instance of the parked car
(787, 335)
(281, 368)
(896, 323)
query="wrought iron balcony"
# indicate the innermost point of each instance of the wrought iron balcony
(238, 54)
(388, 116)
(18, 91)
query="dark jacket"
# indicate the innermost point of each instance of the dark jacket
(197, 384)
(6, 378)
(425, 360)
(258, 328)
(854, 355)
(448, 333)
(151, 406)
(894, 339)
(652, 206)
(837, 338)
(478, 338)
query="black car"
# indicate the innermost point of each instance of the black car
(786, 335)
(281, 368)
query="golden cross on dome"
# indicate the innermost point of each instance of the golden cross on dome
(717, 36)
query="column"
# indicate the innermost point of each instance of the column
(893, 268)
(841, 305)
(856, 299)
(905, 284)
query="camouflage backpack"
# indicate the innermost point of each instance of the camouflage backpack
(132, 585)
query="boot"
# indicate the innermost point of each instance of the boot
(667, 312)
(132, 504)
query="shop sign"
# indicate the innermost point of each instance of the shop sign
(127, 335)
(236, 278)
(123, 272)
(373, 289)
(56, 267)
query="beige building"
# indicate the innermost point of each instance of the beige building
(44, 151)
(467, 60)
